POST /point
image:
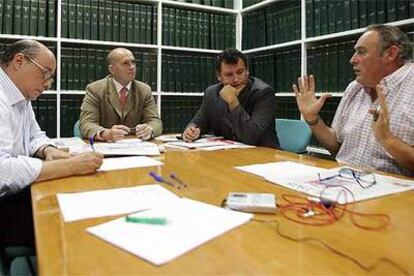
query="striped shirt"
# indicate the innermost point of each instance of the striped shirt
(353, 124)
(20, 138)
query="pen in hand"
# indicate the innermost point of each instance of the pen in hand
(91, 143)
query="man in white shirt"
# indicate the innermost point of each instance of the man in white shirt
(27, 155)
(373, 127)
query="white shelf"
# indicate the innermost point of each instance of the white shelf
(72, 92)
(18, 37)
(107, 43)
(272, 47)
(355, 31)
(258, 5)
(188, 49)
(182, 94)
(198, 6)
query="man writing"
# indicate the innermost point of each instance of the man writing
(239, 108)
(374, 124)
(27, 69)
(118, 105)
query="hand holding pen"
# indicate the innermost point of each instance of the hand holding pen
(143, 131)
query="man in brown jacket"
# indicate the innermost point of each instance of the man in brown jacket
(118, 104)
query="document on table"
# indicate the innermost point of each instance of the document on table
(91, 204)
(209, 144)
(189, 224)
(127, 147)
(73, 144)
(304, 178)
(121, 163)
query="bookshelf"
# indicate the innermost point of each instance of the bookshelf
(164, 47)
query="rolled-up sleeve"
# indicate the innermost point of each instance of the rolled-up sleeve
(17, 172)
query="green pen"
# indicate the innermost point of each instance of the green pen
(149, 220)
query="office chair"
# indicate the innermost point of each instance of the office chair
(23, 266)
(294, 135)
(76, 129)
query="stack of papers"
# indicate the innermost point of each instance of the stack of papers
(126, 147)
(110, 202)
(306, 179)
(189, 224)
(186, 223)
(209, 144)
(121, 163)
(74, 145)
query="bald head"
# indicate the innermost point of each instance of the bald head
(121, 64)
(116, 54)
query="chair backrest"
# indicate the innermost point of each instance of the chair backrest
(76, 129)
(294, 135)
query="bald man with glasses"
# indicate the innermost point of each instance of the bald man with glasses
(27, 155)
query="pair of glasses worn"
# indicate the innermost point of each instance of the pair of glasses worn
(47, 74)
(364, 179)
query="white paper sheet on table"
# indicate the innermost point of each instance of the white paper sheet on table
(120, 163)
(304, 178)
(189, 224)
(99, 203)
(215, 143)
(127, 147)
(73, 144)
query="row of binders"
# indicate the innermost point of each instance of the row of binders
(28, 17)
(81, 66)
(187, 72)
(107, 20)
(323, 16)
(197, 29)
(274, 24)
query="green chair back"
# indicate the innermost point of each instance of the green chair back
(294, 135)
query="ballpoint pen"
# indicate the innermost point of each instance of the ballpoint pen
(91, 143)
(159, 178)
(175, 177)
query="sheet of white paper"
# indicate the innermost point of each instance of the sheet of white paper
(82, 205)
(127, 147)
(189, 224)
(304, 178)
(74, 144)
(216, 143)
(167, 138)
(120, 163)
(280, 170)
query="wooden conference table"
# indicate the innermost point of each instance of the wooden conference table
(254, 248)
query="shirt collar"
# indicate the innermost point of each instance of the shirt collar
(119, 86)
(394, 79)
(10, 89)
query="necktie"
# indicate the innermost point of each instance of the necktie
(123, 94)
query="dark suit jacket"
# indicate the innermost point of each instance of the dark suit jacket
(101, 109)
(252, 122)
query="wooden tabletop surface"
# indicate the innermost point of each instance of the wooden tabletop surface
(255, 248)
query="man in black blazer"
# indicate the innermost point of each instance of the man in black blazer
(240, 107)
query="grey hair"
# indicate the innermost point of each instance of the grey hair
(28, 47)
(391, 35)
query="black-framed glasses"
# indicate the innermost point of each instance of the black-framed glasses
(364, 179)
(47, 74)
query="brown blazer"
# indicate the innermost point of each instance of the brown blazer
(101, 108)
